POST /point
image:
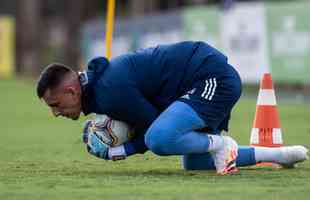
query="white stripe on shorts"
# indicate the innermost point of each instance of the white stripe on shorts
(206, 89)
(209, 89)
(213, 89)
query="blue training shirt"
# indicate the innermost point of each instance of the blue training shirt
(137, 87)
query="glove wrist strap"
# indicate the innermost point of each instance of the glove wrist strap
(117, 153)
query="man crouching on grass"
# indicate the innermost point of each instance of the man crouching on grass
(178, 98)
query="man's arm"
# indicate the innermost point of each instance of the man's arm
(127, 104)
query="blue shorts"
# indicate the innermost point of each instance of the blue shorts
(213, 97)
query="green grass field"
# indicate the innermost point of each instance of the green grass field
(42, 157)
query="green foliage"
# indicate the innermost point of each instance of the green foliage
(42, 157)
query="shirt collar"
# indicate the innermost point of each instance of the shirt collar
(86, 93)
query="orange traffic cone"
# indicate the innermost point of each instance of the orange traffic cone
(266, 131)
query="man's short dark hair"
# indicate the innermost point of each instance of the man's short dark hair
(51, 77)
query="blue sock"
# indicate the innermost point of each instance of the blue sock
(246, 157)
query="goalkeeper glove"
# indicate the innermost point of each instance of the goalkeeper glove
(94, 145)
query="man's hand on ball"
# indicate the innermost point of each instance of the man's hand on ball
(93, 144)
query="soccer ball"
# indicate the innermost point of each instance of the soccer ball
(111, 132)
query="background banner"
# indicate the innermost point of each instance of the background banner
(257, 37)
(244, 41)
(289, 41)
(202, 23)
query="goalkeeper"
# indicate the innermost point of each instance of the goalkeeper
(177, 97)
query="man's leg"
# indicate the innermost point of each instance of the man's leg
(247, 156)
(173, 133)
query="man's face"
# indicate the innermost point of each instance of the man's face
(64, 101)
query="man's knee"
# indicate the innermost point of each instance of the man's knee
(157, 139)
